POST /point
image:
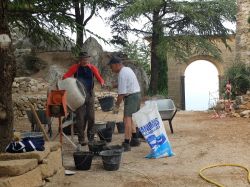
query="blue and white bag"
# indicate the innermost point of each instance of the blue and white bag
(26, 145)
(151, 126)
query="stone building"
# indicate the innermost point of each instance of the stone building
(243, 32)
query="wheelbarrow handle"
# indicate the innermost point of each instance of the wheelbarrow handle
(38, 121)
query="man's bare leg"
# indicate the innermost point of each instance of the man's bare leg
(133, 126)
(128, 127)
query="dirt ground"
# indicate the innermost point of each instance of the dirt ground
(198, 141)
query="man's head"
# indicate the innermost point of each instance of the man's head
(84, 58)
(115, 64)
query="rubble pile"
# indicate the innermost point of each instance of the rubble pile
(241, 106)
(22, 85)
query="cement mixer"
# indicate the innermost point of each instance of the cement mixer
(76, 94)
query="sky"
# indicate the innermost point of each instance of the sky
(201, 85)
(100, 27)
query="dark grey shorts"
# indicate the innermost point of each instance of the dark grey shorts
(132, 104)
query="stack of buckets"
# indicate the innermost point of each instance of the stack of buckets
(111, 155)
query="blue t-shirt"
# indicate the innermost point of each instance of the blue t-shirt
(85, 76)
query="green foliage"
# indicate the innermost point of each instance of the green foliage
(198, 18)
(139, 52)
(239, 76)
(41, 21)
(50, 21)
(84, 10)
(189, 27)
(161, 93)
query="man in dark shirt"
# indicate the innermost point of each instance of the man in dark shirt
(85, 73)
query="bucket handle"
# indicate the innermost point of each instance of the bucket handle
(101, 134)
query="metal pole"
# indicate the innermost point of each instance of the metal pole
(60, 129)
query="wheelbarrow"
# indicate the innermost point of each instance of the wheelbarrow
(43, 119)
(167, 110)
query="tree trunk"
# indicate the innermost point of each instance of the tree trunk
(79, 13)
(163, 76)
(7, 74)
(155, 59)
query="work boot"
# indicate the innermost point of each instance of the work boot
(126, 147)
(135, 142)
(83, 143)
(140, 135)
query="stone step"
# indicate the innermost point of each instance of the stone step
(17, 167)
(32, 178)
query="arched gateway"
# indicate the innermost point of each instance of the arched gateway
(176, 70)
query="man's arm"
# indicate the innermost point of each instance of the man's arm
(119, 100)
(117, 104)
(71, 71)
(97, 74)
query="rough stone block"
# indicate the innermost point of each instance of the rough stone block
(17, 167)
(39, 155)
(54, 146)
(51, 164)
(32, 178)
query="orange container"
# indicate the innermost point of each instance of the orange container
(56, 103)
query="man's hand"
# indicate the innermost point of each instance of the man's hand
(116, 109)
(106, 86)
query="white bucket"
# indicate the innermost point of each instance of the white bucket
(75, 92)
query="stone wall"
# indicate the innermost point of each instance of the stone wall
(27, 90)
(243, 32)
(24, 85)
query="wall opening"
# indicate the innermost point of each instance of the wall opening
(201, 85)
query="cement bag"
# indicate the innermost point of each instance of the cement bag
(151, 126)
(76, 94)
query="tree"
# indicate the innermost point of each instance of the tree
(175, 29)
(39, 20)
(139, 52)
(81, 7)
(7, 73)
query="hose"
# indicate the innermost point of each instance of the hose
(219, 165)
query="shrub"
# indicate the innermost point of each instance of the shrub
(239, 76)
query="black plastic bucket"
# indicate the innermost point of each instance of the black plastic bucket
(106, 103)
(83, 160)
(105, 134)
(111, 124)
(114, 147)
(111, 159)
(99, 125)
(120, 127)
(96, 146)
